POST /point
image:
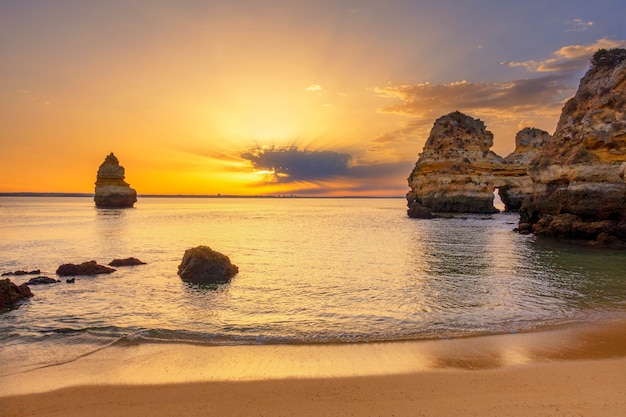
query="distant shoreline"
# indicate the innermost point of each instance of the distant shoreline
(51, 194)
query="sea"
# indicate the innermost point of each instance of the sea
(311, 271)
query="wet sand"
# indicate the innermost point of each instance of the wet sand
(571, 371)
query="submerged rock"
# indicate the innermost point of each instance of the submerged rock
(86, 268)
(10, 293)
(126, 262)
(203, 265)
(579, 182)
(111, 189)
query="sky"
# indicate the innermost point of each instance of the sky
(253, 97)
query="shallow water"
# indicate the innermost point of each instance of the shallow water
(311, 271)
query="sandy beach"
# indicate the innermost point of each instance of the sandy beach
(570, 371)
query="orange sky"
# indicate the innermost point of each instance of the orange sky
(239, 97)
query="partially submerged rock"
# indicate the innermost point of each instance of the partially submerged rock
(203, 265)
(126, 262)
(42, 280)
(86, 268)
(111, 189)
(11, 294)
(21, 272)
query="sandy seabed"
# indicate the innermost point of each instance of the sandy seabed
(575, 371)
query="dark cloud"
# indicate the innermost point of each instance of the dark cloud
(292, 164)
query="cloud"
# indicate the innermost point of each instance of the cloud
(314, 88)
(502, 104)
(573, 58)
(428, 100)
(578, 25)
(318, 172)
(291, 164)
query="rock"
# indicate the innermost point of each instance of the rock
(111, 189)
(42, 280)
(202, 265)
(86, 268)
(579, 186)
(126, 262)
(20, 272)
(10, 294)
(70, 280)
(417, 211)
(457, 172)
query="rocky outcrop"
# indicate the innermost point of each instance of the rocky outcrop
(10, 294)
(457, 172)
(126, 262)
(203, 265)
(579, 182)
(86, 268)
(111, 189)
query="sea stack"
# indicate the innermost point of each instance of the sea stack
(457, 172)
(579, 181)
(111, 189)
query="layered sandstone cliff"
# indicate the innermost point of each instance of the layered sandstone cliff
(457, 172)
(111, 189)
(579, 188)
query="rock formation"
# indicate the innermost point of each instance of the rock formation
(579, 182)
(111, 189)
(457, 172)
(86, 268)
(203, 265)
(513, 181)
(10, 294)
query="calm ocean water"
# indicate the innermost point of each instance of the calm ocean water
(311, 271)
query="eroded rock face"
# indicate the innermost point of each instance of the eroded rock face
(203, 265)
(457, 172)
(111, 189)
(513, 182)
(579, 188)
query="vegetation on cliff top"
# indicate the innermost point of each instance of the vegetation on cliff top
(604, 58)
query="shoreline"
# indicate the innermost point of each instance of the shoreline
(577, 370)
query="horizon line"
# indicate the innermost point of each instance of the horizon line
(70, 194)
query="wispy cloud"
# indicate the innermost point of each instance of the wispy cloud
(314, 88)
(568, 58)
(428, 100)
(578, 25)
(502, 104)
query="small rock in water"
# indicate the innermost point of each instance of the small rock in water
(10, 294)
(126, 262)
(203, 265)
(42, 280)
(86, 268)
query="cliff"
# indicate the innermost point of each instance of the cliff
(579, 188)
(111, 189)
(457, 172)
